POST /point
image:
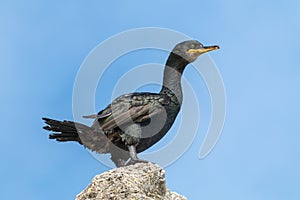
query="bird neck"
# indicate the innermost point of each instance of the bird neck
(172, 76)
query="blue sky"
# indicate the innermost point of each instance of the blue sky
(42, 45)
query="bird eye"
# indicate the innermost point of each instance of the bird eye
(192, 46)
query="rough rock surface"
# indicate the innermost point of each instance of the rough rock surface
(140, 181)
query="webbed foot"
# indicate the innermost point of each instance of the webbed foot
(133, 156)
(134, 161)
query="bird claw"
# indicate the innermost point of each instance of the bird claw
(134, 161)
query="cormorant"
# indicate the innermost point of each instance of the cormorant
(134, 122)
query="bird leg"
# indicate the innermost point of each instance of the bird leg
(132, 137)
(133, 156)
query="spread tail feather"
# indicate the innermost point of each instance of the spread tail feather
(65, 131)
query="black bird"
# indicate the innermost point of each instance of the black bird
(134, 122)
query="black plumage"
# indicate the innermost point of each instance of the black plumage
(134, 122)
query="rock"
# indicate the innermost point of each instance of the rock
(144, 181)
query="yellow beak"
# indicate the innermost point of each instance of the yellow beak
(204, 49)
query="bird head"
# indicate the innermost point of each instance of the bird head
(190, 50)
